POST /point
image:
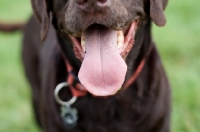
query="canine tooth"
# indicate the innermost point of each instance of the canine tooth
(120, 39)
(119, 45)
(120, 33)
(83, 43)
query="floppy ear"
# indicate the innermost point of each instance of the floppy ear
(41, 11)
(157, 11)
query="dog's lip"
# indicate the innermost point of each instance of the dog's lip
(129, 38)
(129, 34)
(78, 51)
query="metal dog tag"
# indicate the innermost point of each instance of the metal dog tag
(69, 116)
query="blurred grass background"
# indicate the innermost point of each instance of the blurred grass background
(178, 43)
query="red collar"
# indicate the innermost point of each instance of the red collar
(75, 86)
(135, 75)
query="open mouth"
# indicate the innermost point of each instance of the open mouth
(102, 52)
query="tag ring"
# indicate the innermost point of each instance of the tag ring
(56, 96)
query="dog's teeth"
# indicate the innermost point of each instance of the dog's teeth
(83, 43)
(119, 45)
(120, 39)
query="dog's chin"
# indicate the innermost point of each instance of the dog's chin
(102, 52)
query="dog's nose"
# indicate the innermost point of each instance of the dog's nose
(91, 5)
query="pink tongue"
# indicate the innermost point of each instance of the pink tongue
(103, 70)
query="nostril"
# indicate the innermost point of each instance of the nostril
(81, 2)
(102, 3)
(91, 5)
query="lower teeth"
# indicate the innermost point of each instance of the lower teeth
(83, 43)
(120, 39)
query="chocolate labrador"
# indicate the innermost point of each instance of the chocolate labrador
(93, 66)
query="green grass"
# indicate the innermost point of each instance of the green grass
(15, 97)
(178, 43)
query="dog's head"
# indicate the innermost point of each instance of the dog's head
(102, 33)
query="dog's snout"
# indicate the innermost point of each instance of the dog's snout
(91, 5)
